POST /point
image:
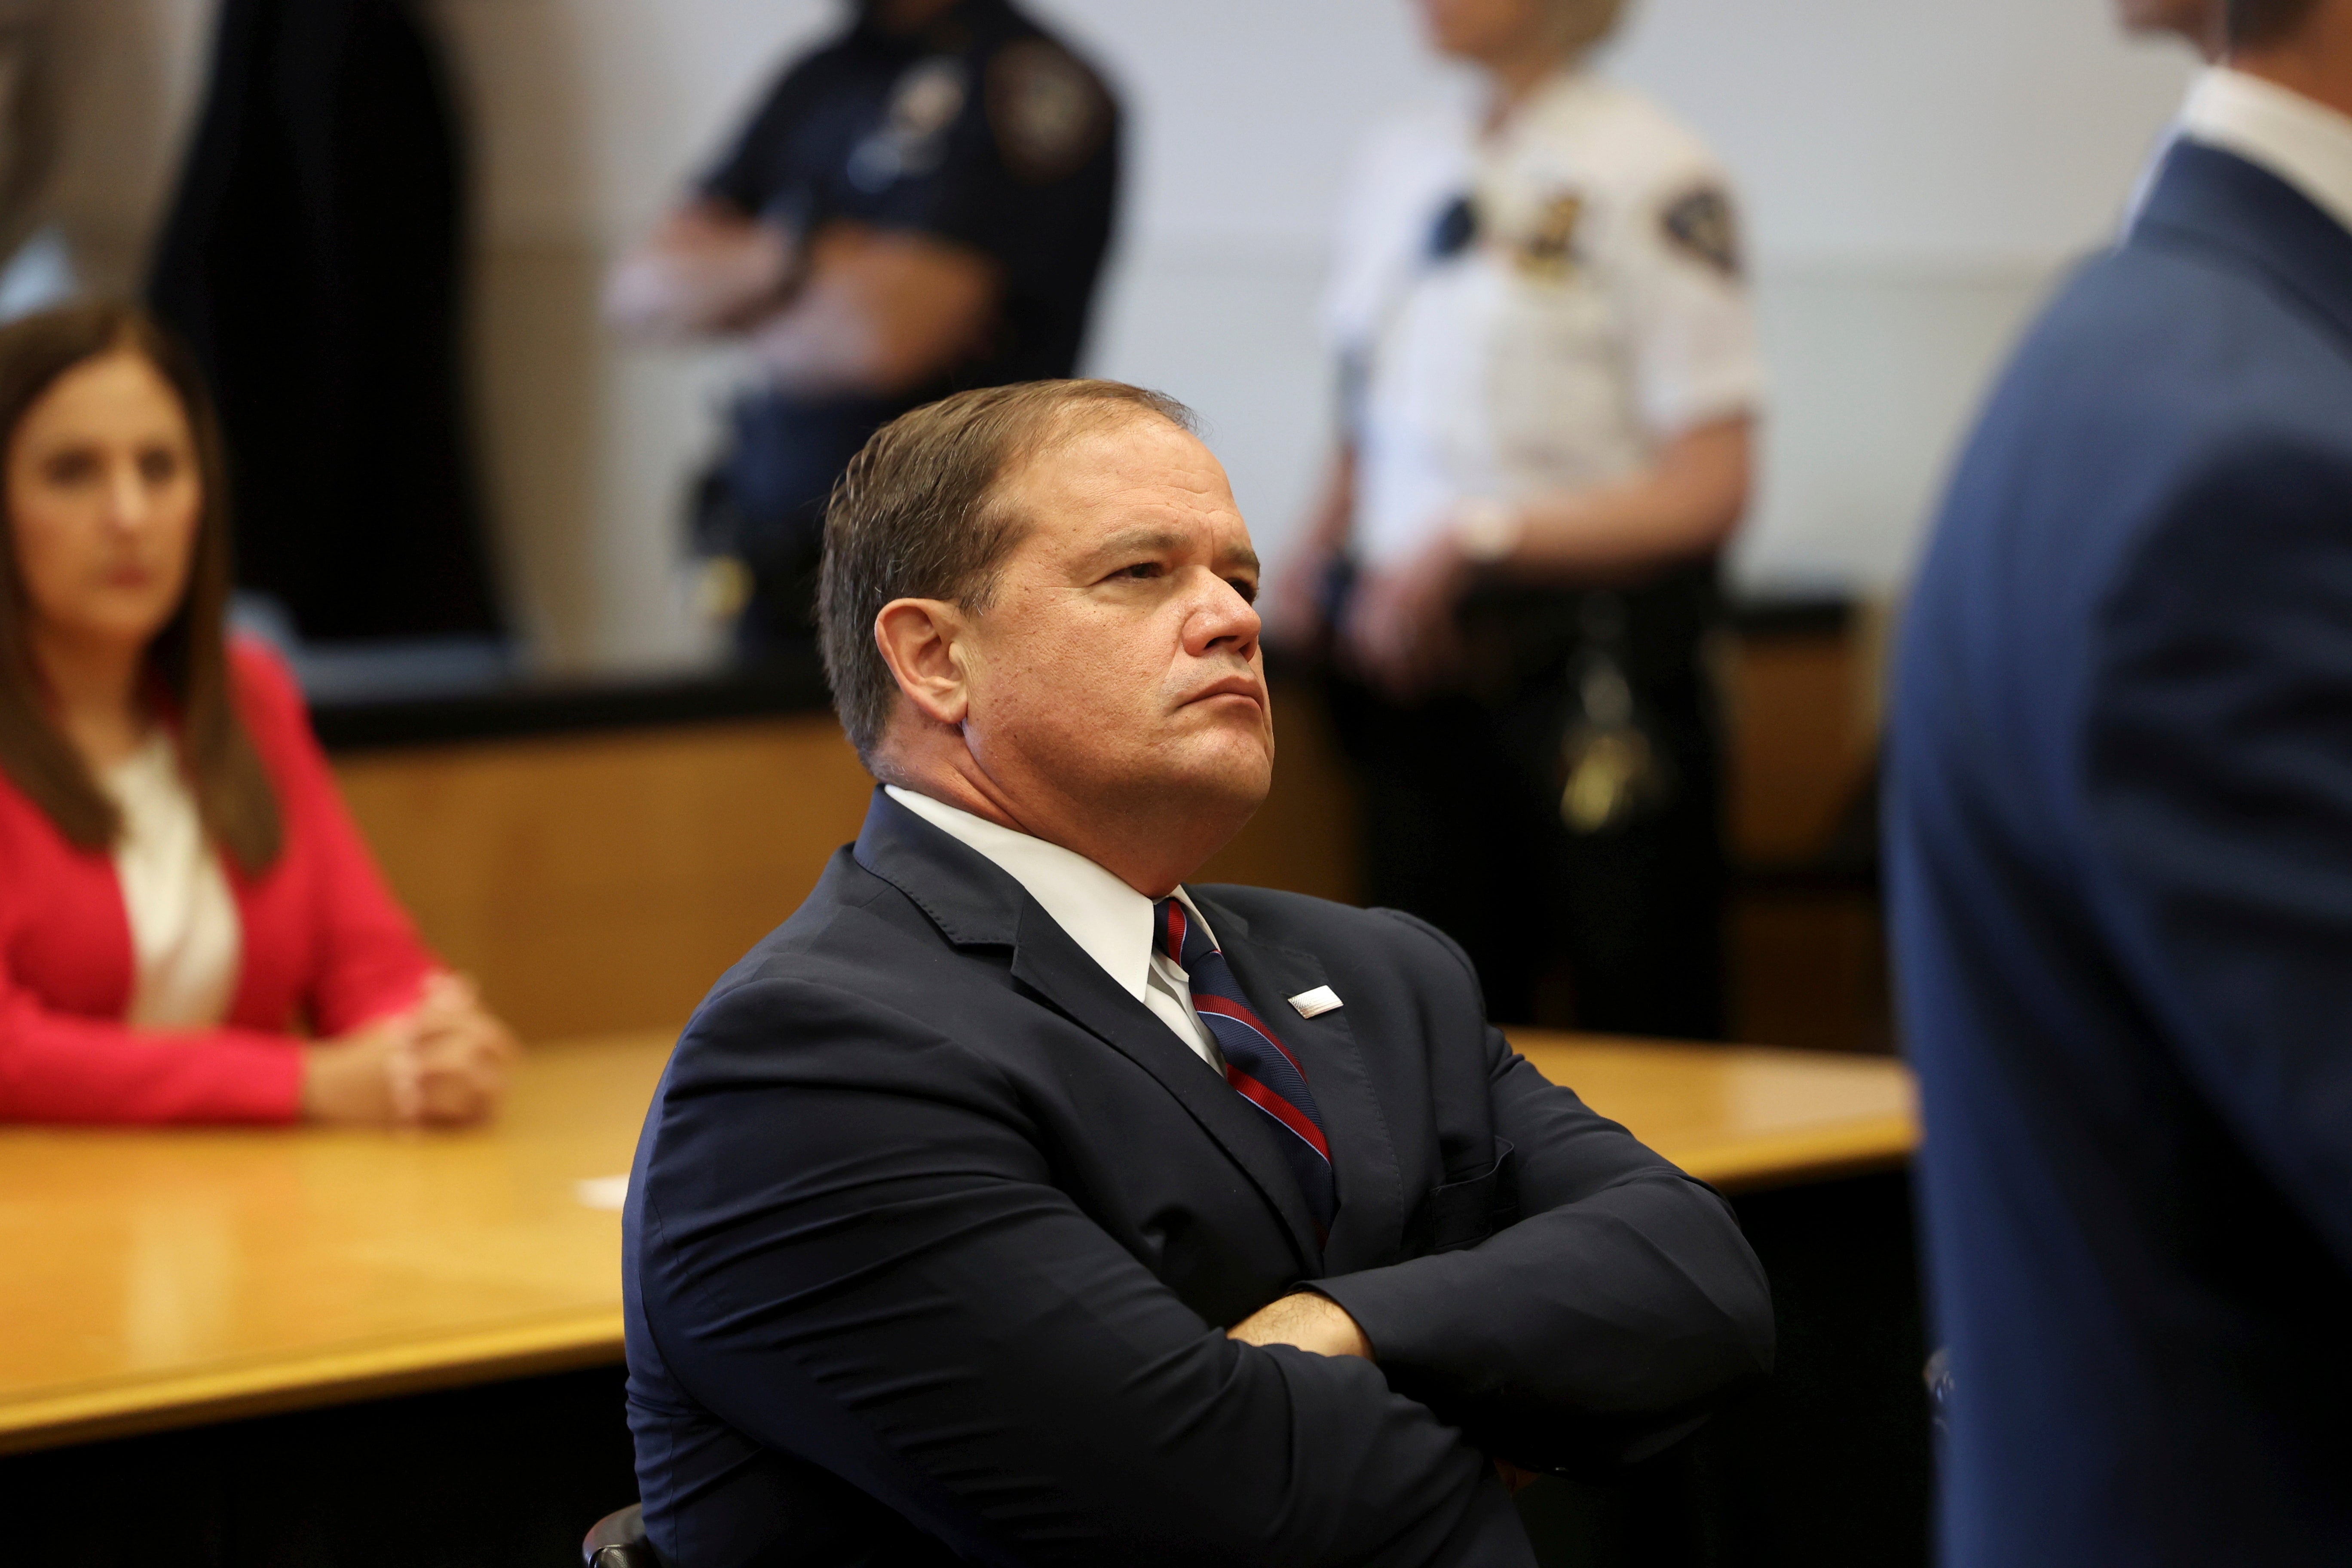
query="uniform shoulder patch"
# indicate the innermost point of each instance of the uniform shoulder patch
(1048, 111)
(1703, 224)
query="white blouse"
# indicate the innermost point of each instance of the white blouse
(185, 936)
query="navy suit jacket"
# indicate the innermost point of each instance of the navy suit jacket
(935, 1230)
(2121, 849)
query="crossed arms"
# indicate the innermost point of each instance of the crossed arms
(847, 310)
(883, 1233)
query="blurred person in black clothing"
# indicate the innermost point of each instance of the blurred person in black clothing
(920, 206)
(313, 260)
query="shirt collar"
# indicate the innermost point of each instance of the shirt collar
(1556, 94)
(2303, 141)
(1111, 921)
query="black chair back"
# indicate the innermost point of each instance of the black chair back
(618, 1541)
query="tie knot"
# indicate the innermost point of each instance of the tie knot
(1172, 929)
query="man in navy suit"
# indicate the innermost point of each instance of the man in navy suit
(1016, 1202)
(2121, 842)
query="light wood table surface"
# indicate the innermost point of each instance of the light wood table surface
(158, 1279)
(1742, 1117)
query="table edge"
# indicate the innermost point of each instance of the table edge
(1851, 1148)
(334, 1375)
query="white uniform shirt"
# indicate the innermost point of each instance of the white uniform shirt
(185, 936)
(1599, 310)
(1111, 921)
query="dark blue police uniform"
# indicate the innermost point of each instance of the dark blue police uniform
(980, 130)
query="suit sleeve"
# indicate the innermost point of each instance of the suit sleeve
(853, 1251)
(1603, 1320)
(2218, 788)
(367, 959)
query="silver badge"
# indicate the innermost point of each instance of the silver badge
(913, 139)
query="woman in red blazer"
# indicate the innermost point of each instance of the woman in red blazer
(191, 928)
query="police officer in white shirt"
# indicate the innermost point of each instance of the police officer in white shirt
(1551, 384)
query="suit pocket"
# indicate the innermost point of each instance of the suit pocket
(1466, 1212)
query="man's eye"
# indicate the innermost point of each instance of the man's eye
(1246, 587)
(1142, 570)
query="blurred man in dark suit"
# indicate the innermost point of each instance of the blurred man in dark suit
(1017, 1203)
(2120, 837)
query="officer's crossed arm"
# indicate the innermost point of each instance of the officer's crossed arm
(705, 270)
(853, 310)
(879, 312)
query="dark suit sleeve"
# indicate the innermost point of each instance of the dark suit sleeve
(854, 1252)
(1622, 1297)
(2219, 794)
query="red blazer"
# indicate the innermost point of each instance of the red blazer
(324, 947)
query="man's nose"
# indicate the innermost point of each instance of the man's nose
(1223, 618)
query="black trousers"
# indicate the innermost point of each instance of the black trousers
(1618, 931)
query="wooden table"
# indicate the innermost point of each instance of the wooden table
(1742, 1117)
(160, 1279)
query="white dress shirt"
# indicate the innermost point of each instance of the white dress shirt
(2303, 141)
(1111, 921)
(185, 936)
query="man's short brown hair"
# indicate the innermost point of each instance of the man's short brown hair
(2260, 21)
(916, 515)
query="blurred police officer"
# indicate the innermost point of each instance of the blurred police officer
(1551, 381)
(920, 206)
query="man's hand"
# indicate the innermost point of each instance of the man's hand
(1305, 1322)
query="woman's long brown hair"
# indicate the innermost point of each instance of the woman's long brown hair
(187, 664)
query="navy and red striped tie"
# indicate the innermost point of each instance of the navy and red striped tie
(1256, 1064)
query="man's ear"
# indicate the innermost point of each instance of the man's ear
(917, 640)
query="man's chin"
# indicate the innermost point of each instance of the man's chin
(1237, 776)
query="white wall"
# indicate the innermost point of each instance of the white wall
(1914, 170)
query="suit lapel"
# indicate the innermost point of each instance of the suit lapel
(2218, 201)
(973, 903)
(1060, 973)
(1363, 1159)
